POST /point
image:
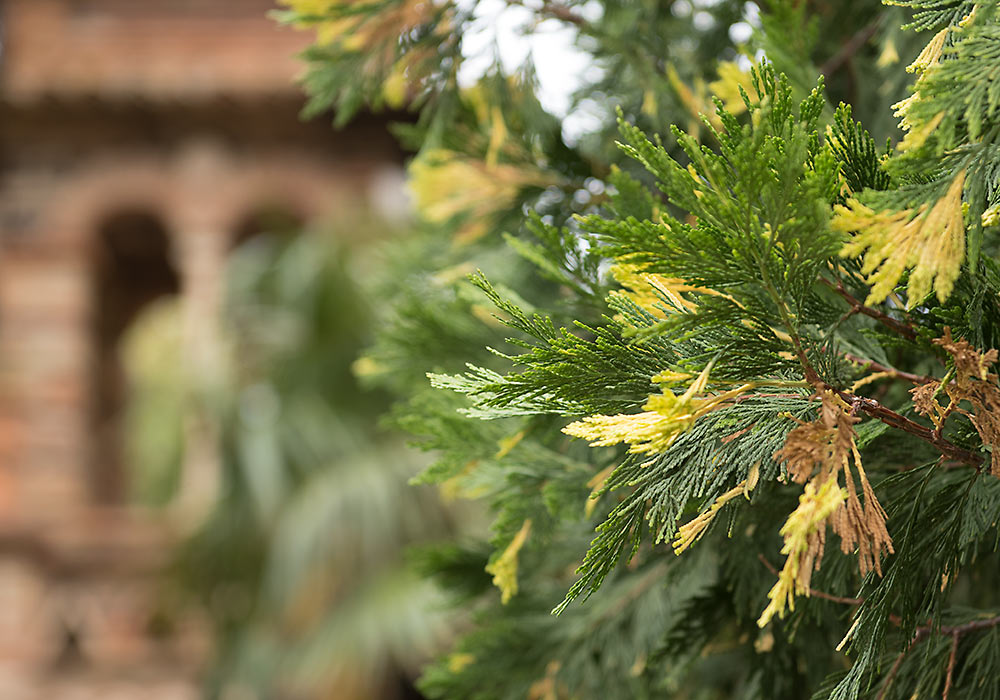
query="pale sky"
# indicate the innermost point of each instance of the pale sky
(561, 68)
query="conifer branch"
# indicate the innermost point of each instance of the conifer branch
(725, 275)
(876, 410)
(870, 406)
(956, 632)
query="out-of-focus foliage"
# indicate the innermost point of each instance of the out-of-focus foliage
(302, 564)
(153, 423)
(303, 560)
(694, 306)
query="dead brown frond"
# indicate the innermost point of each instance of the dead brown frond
(974, 383)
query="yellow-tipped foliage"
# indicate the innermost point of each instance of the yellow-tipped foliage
(447, 184)
(651, 291)
(504, 567)
(805, 538)
(818, 453)
(665, 417)
(930, 241)
(930, 54)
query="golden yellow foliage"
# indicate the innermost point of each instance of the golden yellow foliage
(889, 54)
(917, 134)
(460, 661)
(360, 30)
(697, 98)
(447, 184)
(930, 54)
(991, 217)
(504, 567)
(930, 240)
(665, 417)
(461, 485)
(688, 533)
(549, 687)
(648, 290)
(509, 443)
(596, 483)
(695, 101)
(805, 537)
(373, 34)
(732, 78)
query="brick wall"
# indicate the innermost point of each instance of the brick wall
(181, 110)
(175, 48)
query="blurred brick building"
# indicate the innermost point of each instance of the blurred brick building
(139, 141)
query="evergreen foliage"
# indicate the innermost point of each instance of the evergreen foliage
(301, 565)
(693, 358)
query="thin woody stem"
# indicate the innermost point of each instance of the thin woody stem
(920, 633)
(851, 47)
(812, 591)
(875, 366)
(956, 632)
(870, 406)
(876, 410)
(903, 329)
(895, 669)
(965, 627)
(951, 666)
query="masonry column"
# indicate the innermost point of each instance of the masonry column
(201, 223)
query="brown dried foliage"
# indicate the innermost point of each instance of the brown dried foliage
(973, 383)
(820, 451)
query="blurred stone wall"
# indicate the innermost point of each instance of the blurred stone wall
(137, 139)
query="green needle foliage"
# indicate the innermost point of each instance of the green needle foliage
(730, 392)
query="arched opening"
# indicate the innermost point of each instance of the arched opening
(131, 267)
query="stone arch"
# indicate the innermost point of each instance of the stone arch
(200, 194)
(105, 186)
(303, 189)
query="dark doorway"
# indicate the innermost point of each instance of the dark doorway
(132, 267)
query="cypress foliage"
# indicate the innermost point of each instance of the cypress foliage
(730, 392)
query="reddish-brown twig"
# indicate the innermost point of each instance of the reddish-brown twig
(851, 47)
(895, 668)
(876, 410)
(812, 591)
(924, 631)
(951, 666)
(876, 367)
(903, 329)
